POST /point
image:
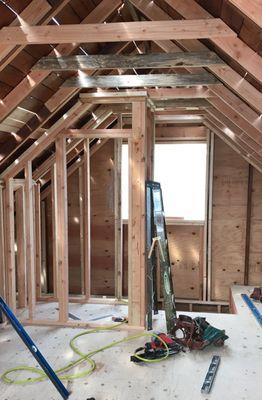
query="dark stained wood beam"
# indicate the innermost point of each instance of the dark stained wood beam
(116, 32)
(181, 103)
(150, 80)
(137, 61)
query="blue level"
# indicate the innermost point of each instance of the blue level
(255, 311)
(33, 349)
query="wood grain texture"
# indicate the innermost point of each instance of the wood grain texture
(136, 233)
(31, 15)
(62, 229)
(226, 74)
(30, 242)
(137, 61)
(255, 255)
(38, 11)
(85, 133)
(102, 221)
(10, 287)
(253, 9)
(34, 78)
(86, 201)
(21, 247)
(185, 248)
(233, 47)
(2, 245)
(228, 220)
(150, 80)
(116, 32)
(38, 238)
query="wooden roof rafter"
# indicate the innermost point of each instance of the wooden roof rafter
(233, 47)
(236, 113)
(74, 149)
(233, 143)
(45, 140)
(226, 74)
(25, 87)
(251, 9)
(37, 12)
(102, 117)
(14, 98)
(231, 129)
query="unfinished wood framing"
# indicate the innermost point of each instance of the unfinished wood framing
(10, 245)
(248, 223)
(30, 240)
(116, 32)
(21, 247)
(136, 221)
(38, 239)
(98, 133)
(252, 10)
(87, 221)
(54, 227)
(137, 61)
(62, 229)
(61, 147)
(152, 80)
(2, 245)
(118, 215)
(226, 74)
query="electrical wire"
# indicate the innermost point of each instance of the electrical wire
(63, 372)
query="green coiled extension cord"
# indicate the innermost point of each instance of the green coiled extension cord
(41, 376)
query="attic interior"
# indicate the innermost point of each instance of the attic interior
(130, 199)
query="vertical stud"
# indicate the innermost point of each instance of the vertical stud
(136, 221)
(62, 228)
(30, 243)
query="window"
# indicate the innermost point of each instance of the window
(181, 170)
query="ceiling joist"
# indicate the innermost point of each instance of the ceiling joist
(115, 32)
(137, 61)
(85, 133)
(150, 80)
(181, 103)
(34, 78)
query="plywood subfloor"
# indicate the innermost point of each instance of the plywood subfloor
(116, 378)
